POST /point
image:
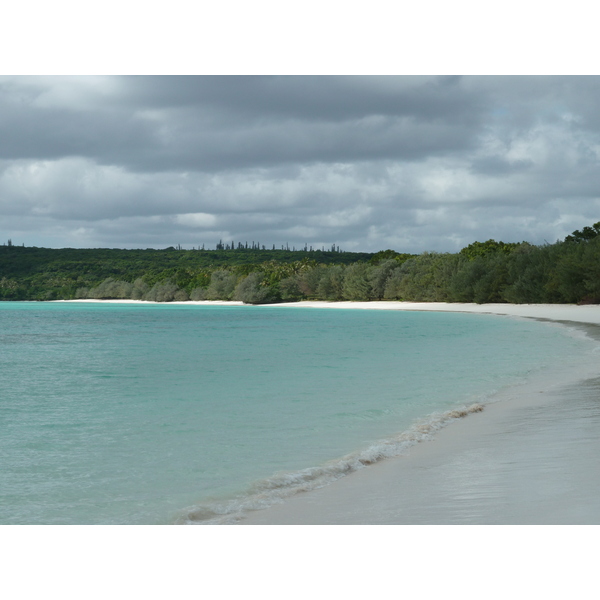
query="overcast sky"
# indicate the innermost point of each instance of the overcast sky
(368, 163)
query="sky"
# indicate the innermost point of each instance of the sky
(412, 163)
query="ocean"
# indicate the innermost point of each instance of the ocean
(147, 413)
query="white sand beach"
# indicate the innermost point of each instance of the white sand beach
(531, 457)
(553, 312)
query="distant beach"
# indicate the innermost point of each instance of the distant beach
(553, 312)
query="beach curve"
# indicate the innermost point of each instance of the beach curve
(528, 458)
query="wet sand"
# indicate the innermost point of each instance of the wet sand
(531, 457)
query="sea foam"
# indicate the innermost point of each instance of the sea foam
(275, 489)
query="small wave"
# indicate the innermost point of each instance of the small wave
(275, 489)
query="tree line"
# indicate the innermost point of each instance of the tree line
(567, 271)
(30, 273)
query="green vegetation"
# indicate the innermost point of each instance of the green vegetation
(51, 274)
(565, 272)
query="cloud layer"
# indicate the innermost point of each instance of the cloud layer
(410, 163)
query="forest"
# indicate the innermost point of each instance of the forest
(567, 271)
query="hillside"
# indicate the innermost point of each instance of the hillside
(30, 273)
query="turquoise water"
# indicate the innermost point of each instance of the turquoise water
(157, 413)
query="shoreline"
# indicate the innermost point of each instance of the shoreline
(587, 313)
(125, 301)
(495, 467)
(527, 458)
(522, 460)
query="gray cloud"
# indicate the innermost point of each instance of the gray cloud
(222, 123)
(412, 163)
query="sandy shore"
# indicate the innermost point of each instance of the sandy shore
(554, 312)
(529, 458)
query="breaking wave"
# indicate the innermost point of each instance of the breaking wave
(275, 489)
